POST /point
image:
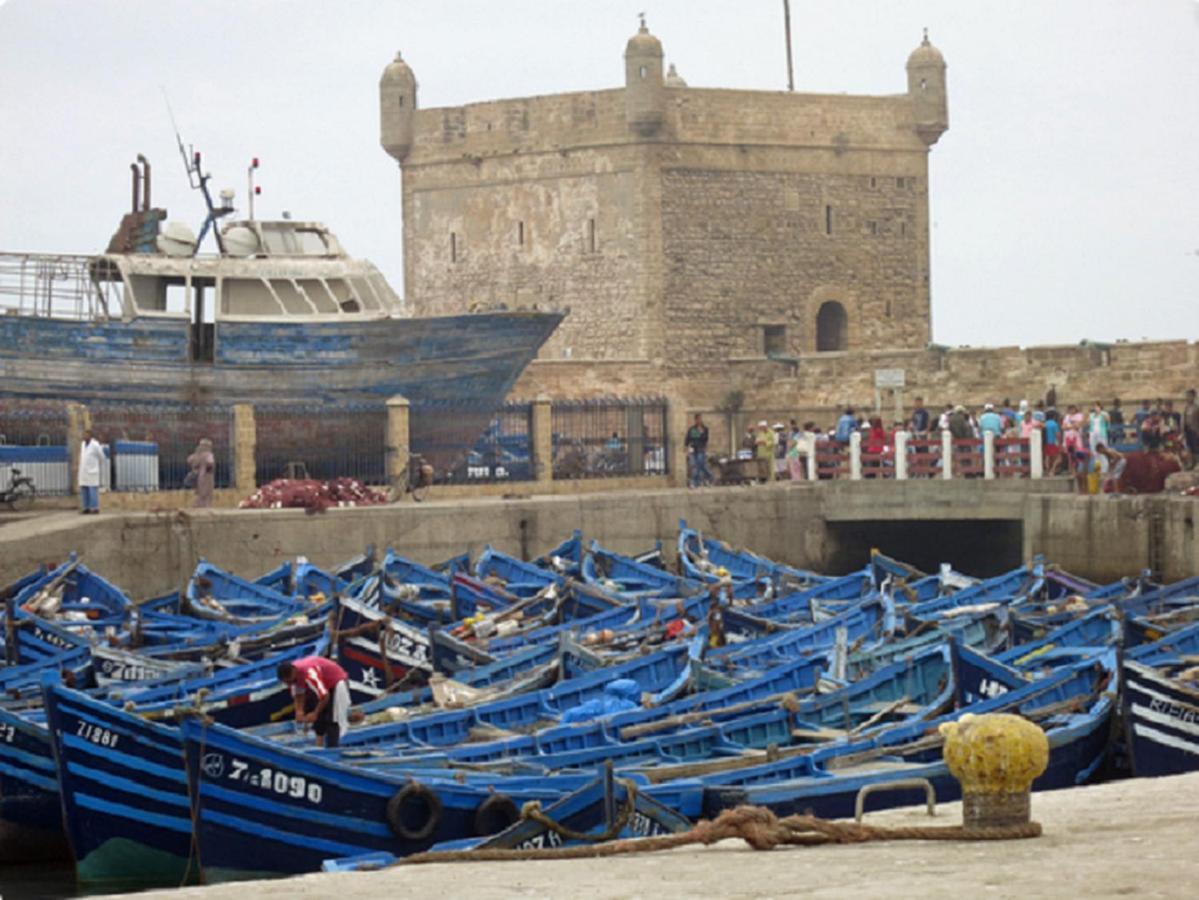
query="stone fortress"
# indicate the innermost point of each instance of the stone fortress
(758, 249)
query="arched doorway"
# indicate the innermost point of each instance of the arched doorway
(832, 327)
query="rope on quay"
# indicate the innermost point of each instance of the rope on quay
(756, 825)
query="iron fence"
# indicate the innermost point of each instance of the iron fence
(149, 444)
(610, 438)
(28, 424)
(321, 443)
(503, 452)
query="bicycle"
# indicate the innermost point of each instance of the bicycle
(20, 493)
(416, 480)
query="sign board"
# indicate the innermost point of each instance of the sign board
(889, 378)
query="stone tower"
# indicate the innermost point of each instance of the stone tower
(644, 92)
(397, 108)
(926, 87)
(691, 232)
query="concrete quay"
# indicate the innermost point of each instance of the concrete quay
(980, 526)
(1131, 837)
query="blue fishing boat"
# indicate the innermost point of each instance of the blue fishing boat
(1161, 719)
(260, 809)
(627, 579)
(123, 792)
(566, 558)
(606, 808)
(1074, 705)
(30, 816)
(701, 559)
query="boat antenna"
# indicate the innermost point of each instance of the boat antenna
(198, 181)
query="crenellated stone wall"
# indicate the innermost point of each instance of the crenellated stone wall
(718, 236)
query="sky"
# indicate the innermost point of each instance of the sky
(1064, 198)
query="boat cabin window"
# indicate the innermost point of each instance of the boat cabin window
(300, 297)
(291, 297)
(248, 297)
(318, 295)
(161, 295)
(284, 239)
(345, 296)
(364, 295)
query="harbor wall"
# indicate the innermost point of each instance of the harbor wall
(808, 525)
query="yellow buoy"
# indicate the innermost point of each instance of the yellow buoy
(996, 757)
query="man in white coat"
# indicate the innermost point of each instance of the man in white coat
(91, 461)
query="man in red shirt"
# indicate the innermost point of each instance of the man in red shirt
(321, 691)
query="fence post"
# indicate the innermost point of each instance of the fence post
(676, 433)
(79, 420)
(812, 444)
(397, 449)
(245, 449)
(1036, 460)
(543, 440)
(901, 456)
(946, 454)
(855, 456)
(988, 455)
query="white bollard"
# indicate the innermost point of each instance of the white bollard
(810, 440)
(946, 454)
(855, 456)
(989, 455)
(901, 455)
(1036, 461)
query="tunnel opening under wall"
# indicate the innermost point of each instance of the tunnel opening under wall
(979, 547)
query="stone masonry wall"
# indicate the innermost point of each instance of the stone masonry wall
(682, 247)
(551, 232)
(750, 250)
(818, 385)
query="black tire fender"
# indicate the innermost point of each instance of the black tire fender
(495, 814)
(414, 813)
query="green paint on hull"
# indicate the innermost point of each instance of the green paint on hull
(120, 861)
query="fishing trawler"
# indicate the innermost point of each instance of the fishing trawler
(279, 314)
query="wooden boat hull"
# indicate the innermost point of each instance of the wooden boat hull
(123, 793)
(261, 810)
(1161, 719)
(464, 364)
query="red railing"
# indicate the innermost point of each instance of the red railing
(968, 458)
(1013, 458)
(879, 464)
(924, 457)
(832, 459)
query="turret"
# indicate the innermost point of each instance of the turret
(926, 87)
(397, 108)
(644, 93)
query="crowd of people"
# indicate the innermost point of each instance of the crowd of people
(1090, 444)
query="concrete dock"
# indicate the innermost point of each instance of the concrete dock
(983, 527)
(1134, 837)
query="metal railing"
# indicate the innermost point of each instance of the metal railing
(316, 442)
(33, 439)
(907, 456)
(503, 452)
(610, 438)
(32, 424)
(59, 286)
(149, 441)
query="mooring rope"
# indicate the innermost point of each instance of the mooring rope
(756, 825)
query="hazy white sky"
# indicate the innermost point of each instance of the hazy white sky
(1065, 195)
